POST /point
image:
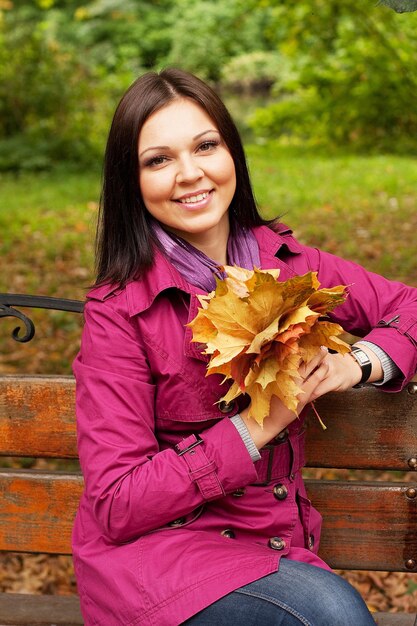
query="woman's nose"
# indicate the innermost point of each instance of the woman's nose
(188, 170)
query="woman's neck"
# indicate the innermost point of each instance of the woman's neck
(213, 243)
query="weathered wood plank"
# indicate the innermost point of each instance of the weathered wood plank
(367, 525)
(395, 619)
(370, 526)
(17, 609)
(38, 510)
(366, 428)
(30, 610)
(37, 416)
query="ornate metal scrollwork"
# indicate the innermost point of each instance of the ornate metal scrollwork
(9, 300)
(8, 311)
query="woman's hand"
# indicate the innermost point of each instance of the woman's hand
(325, 372)
(341, 372)
(312, 375)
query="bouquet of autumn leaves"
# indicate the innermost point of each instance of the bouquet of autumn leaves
(258, 331)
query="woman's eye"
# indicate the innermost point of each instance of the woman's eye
(208, 145)
(155, 161)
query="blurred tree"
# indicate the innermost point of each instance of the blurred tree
(342, 72)
(63, 64)
(207, 33)
(350, 77)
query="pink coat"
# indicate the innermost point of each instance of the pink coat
(162, 533)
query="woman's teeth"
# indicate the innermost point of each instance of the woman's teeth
(197, 198)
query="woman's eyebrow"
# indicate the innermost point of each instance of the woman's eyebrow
(211, 130)
(154, 148)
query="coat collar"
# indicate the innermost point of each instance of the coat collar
(274, 242)
(140, 294)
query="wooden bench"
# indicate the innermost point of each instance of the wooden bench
(369, 525)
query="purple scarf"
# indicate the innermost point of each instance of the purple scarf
(199, 269)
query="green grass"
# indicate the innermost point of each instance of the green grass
(360, 207)
(363, 208)
(47, 226)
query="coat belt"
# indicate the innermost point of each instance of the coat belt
(280, 460)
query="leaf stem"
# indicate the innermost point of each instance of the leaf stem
(322, 424)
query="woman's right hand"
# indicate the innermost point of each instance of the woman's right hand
(311, 375)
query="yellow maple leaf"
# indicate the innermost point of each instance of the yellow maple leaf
(242, 281)
(323, 333)
(326, 300)
(258, 331)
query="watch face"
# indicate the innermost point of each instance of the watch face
(364, 362)
(362, 357)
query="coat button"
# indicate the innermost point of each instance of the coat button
(177, 522)
(280, 492)
(276, 543)
(282, 436)
(228, 532)
(311, 542)
(226, 407)
(238, 493)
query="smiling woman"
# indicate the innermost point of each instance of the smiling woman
(125, 243)
(192, 511)
(188, 183)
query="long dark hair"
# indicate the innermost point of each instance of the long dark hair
(124, 244)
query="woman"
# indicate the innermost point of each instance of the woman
(191, 511)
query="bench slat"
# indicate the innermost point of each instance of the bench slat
(38, 510)
(373, 523)
(366, 429)
(37, 416)
(366, 525)
(395, 619)
(18, 609)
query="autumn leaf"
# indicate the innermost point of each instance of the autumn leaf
(258, 330)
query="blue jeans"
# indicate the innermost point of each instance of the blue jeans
(299, 593)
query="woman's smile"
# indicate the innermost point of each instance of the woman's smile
(187, 175)
(196, 200)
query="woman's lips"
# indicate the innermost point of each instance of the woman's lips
(195, 201)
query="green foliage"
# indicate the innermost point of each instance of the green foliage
(47, 97)
(253, 71)
(207, 33)
(351, 77)
(342, 72)
(62, 68)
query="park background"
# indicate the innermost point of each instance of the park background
(324, 93)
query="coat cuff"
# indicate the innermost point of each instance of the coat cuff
(202, 471)
(222, 458)
(400, 349)
(243, 431)
(389, 369)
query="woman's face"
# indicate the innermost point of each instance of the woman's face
(186, 173)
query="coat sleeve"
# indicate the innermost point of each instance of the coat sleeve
(378, 310)
(132, 486)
